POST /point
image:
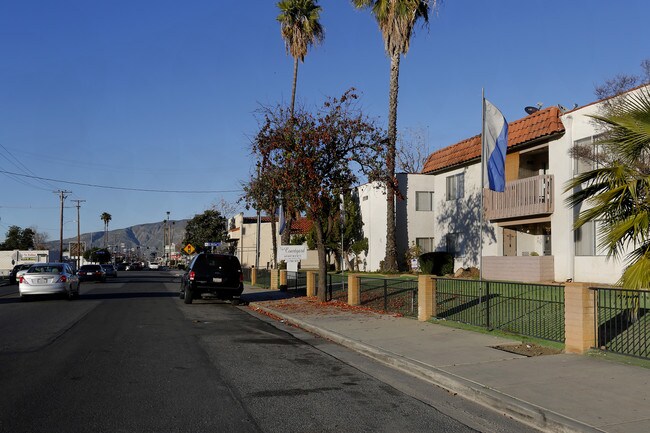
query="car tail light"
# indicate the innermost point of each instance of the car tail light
(192, 275)
(63, 279)
(22, 280)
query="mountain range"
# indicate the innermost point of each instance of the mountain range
(145, 236)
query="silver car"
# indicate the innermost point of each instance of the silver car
(48, 279)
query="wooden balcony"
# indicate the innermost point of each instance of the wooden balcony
(529, 197)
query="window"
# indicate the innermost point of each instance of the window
(452, 243)
(425, 244)
(455, 186)
(424, 201)
(586, 239)
(589, 155)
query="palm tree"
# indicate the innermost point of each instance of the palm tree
(300, 28)
(618, 194)
(106, 217)
(396, 20)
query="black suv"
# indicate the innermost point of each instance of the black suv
(217, 274)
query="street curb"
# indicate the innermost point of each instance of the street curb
(513, 407)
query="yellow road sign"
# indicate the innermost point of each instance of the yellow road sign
(189, 249)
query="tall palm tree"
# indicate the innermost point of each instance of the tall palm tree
(106, 217)
(618, 194)
(396, 20)
(300, 28)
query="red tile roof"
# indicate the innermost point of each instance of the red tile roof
(541, 124)
(300, 226)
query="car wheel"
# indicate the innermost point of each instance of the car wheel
(235, 301)
(188, 295)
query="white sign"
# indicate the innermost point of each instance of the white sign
(292, 253)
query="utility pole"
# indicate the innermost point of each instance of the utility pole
(78, 232)
(62, 197)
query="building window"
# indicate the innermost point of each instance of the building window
(588, 154)
(455, 186)
(452, 243)
(586, 239)
(423, 201)
(425, 244)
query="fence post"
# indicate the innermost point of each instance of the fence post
(311, 283)
(579, 318)
(253, 275)
(283, 280)
(354, 290)
(426, 297)
(275, 279)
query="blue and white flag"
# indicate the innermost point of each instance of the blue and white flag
(495, 143)
(282, 220)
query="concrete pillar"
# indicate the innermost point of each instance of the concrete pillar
(253, 276)
(311, 283)
(283, 280)
(426, 297)
(579, 318)
(354, 290)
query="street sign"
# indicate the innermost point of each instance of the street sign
(212, 244)
(189, 249)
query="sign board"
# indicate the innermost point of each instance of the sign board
(212, 244)
(189, 249)
(292, 253)
(76, 249)
(292, 266)
(415, 264)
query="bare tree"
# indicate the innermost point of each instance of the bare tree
(412, 150)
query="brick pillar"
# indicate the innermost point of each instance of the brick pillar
(253, 276)
(275, 279)
(283, 280)
(311, 283)
(579, 318)
(426, 297)
(354, 290)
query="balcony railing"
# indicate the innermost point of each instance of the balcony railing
(532, 196)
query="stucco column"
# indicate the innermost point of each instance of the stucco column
(579, 318)
(426, 297)
(354, 290)
(253, 275)
(311, 283)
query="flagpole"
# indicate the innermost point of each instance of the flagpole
(480, 231)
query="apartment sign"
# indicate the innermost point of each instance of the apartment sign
(292, 253)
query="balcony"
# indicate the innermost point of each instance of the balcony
(529, 197)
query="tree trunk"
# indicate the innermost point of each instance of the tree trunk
(285, 238)
(295, 82)
(322, 263)
(390, 261)
(275, 240)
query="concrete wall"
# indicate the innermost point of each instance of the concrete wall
(372, 201)
(519, 268)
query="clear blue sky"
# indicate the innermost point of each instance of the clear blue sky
(162, 94)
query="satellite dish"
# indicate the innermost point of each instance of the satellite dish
(531, 110)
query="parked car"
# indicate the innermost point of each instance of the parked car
(135, 266)
(153, 265)
(91, 273)
(217, 274)
(13, 275)
(47, 279)
(109, 270)
(121, 267)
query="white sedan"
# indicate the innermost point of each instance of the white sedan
(48, 279)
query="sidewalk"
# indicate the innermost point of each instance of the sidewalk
(558, 393)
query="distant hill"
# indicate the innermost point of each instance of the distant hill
(146, 236)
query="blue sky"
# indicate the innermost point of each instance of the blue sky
(161, 95)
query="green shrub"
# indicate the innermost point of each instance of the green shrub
(437, 263)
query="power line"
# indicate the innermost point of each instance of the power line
(123, 188)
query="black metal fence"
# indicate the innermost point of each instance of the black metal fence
(535, 310)
(263, 277)
(395, 295)
(296, 280)
(246, 272)
(622, 321)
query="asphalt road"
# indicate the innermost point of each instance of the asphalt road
(129, 356)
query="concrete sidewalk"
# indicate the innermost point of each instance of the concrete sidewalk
(553, 393)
